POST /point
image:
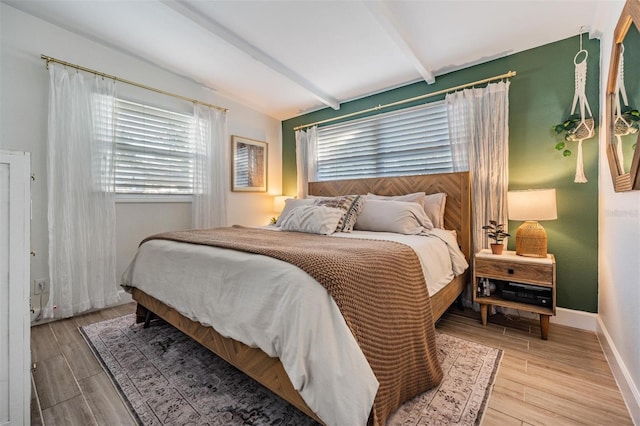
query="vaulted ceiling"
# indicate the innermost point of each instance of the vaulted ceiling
(287, 57)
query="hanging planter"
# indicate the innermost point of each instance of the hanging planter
(626, 123)
(580, 125)
(625, 119)
(574, 130)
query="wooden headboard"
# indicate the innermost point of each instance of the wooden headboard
(457, 214)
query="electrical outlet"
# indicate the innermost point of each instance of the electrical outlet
(40, 286)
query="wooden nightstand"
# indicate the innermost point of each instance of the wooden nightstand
(517, 282)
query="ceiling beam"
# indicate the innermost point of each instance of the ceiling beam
(239, 43)
(386, 20)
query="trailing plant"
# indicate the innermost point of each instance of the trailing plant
(631, 114)
(495, 231)
(568, 125)
(573, 130)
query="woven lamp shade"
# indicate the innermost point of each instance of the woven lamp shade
(531, 206)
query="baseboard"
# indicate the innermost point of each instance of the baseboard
(625, 382)
(576, 319)
(567, 317)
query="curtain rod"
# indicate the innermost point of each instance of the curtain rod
(404, 101)
(132, 83)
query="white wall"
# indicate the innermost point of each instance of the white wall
(619, 260)
(24, 83)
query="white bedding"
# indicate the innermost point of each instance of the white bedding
(280, 309)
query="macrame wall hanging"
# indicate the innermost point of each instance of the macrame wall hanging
(580, 125)
(625, 119)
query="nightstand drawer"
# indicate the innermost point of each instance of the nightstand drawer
(540, 274)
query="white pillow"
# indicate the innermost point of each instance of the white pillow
(312, 220)
(416, 197)
(433, 204)
(400, 217)
(290, 204)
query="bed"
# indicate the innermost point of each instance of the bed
(269, 370)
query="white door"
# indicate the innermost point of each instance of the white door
(15, 358)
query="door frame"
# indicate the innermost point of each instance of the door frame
(19, 337)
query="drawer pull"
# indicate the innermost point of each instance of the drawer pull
(510, 271)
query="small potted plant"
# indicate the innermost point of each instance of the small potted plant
(495, 232)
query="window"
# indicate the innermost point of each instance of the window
(154, 150)
(407, 142)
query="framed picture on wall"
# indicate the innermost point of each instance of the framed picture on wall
(248, 165)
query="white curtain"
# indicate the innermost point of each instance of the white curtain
(81, 207)
(306, 159)
(211, 168)
(479, 131)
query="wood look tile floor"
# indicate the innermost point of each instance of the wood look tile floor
(565, 380)
(562, 381)
(69, 385)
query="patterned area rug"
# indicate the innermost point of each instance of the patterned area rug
(169, 379)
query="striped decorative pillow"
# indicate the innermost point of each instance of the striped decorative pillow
(350, 206)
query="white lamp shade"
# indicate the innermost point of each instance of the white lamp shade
(532, 204)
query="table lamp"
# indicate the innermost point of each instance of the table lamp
(279, 202)
(531, 206)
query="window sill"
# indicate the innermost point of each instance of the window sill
(139, 198)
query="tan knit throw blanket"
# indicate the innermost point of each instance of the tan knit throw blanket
(380, 290)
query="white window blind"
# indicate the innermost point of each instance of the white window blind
(406, 142)
(154, 150)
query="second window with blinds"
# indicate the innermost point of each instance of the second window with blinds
(410, 141)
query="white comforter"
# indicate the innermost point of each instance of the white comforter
(277, 307)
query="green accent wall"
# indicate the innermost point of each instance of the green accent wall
(540, 96)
